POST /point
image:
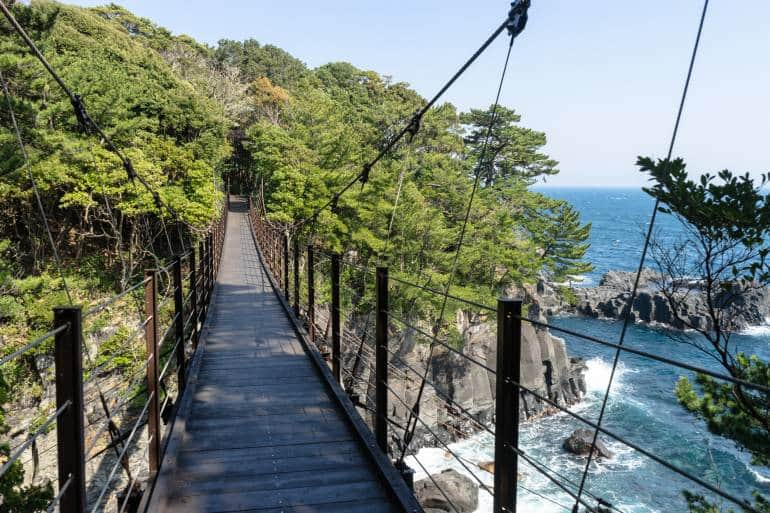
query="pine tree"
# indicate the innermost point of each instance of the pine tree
(726, 221)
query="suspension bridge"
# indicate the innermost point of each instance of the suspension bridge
(264, 425)
(245, 400)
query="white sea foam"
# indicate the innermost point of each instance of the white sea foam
(763, 330)
(761, 474)
(598, 376)
(578, 280)
(537, 439)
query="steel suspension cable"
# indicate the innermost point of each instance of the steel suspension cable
(412, 422)
(517, 18)
(645, 248)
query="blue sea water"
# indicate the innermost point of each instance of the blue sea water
(642, 408)
(619, 220)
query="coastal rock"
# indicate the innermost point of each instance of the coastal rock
(461, 491)
(487, 466)
(624, 280)
(579, 442)
(609, 300)
(458, 385)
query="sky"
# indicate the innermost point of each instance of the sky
(602, 79)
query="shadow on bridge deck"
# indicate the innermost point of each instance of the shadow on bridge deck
(258, 427)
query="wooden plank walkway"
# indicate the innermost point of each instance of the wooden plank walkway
(258, 429)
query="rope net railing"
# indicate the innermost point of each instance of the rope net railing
(109, 387)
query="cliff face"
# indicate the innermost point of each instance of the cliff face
(545, 368)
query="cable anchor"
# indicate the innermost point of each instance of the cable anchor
(517, 17)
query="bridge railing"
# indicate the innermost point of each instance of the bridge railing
(103, 400)
(311, 279)
(364, 362)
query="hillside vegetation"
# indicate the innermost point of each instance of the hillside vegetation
(192, 117)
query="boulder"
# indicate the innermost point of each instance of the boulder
(579, 443)
(487, 466)
(459, 489)
(624, 280)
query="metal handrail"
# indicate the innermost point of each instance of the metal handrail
(33, 344)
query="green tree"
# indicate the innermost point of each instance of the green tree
(255, 61)
(561, 237)
(726, 222)
(411, 211)
(512, 150)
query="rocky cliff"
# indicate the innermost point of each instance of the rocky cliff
(546, 368)
(611, 297)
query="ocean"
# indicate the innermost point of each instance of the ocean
(642, 407)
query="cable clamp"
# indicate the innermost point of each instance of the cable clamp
(517, 17)
(129, 169)
(414, 126)
(334, 206)
(84, 120)
(365, 174)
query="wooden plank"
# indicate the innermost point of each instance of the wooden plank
(222, 376)
(260, 429)
(222, 393)
(261, 381)
(235, 410)
(228, 483)
(299, 422)
(265, 499)
(368, 506)
(198, 443)
(319, 450)
(235, 467)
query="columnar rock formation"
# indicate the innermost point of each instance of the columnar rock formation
(546, 369)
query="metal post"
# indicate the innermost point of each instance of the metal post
(336, 317)
(507, 404)
(151, 340)
(286, 266)
(211, 268)
(310, 293)
(271, 251)
(69, 425)
(193, 299)
(202, 279)
(214, 252)
(179, 325)
(276, 257)
(296, 276)
(381, 361)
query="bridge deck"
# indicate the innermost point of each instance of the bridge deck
(258, 429)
